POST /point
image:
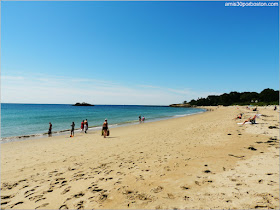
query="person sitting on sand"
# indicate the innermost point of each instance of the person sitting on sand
(275, 108)
(255, 109)
(251, 119)
(50, 129)
(105, 128)
(239, 116)
(72, 129)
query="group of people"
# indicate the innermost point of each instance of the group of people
(141, 119)
(84, 126)
(250, 119)
(253, 109)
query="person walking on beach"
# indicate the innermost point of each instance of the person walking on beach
(140, 119)
(143, 119)
(72, 129)
(82, 126)
(50, 129)
(86, 125)
(105, 128)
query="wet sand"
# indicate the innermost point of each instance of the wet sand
(196, 162)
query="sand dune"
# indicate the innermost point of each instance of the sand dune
(196, 162)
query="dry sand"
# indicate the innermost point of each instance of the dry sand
(196, 162)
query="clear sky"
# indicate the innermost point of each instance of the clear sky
(135, 52)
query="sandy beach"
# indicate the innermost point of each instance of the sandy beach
(202, 161)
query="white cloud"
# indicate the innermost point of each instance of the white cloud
(50, 89)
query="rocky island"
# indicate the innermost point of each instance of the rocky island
(82, 104)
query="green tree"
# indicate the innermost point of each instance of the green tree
(269, 95)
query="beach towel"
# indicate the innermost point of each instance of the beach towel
(246, 123)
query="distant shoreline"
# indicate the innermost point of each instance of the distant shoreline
(154, 105)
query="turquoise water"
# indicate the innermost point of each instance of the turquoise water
(33, 119)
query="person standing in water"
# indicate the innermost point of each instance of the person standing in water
(139, 118)
(82, 126)
(72, 129)
(86, 125)
(105, 128)
(50, 129)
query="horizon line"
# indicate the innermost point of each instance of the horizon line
(91, 104)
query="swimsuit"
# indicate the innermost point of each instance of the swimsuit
(50, 130)
(105, 127)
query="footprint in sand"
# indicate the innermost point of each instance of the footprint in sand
(41, 206)
(29, 192)
(25, 186)
(80, 205)
(63, 207)
(21, 202)
(40, 200)
(4, 203)
(157, 189)
(8, 186)
(102, 197)
(127, 192)
(81, 194)
(170, 196)
(67, 189)
(197, 183)
(167, 168)
(185, 187)
(96, 189)
(35, 197)
(3, 197)
(252, 148)
(71, 169)
(144, 197)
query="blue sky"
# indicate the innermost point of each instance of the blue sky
(135, 52)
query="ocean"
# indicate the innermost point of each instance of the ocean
(20, 121)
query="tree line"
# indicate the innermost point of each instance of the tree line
(266, 97)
